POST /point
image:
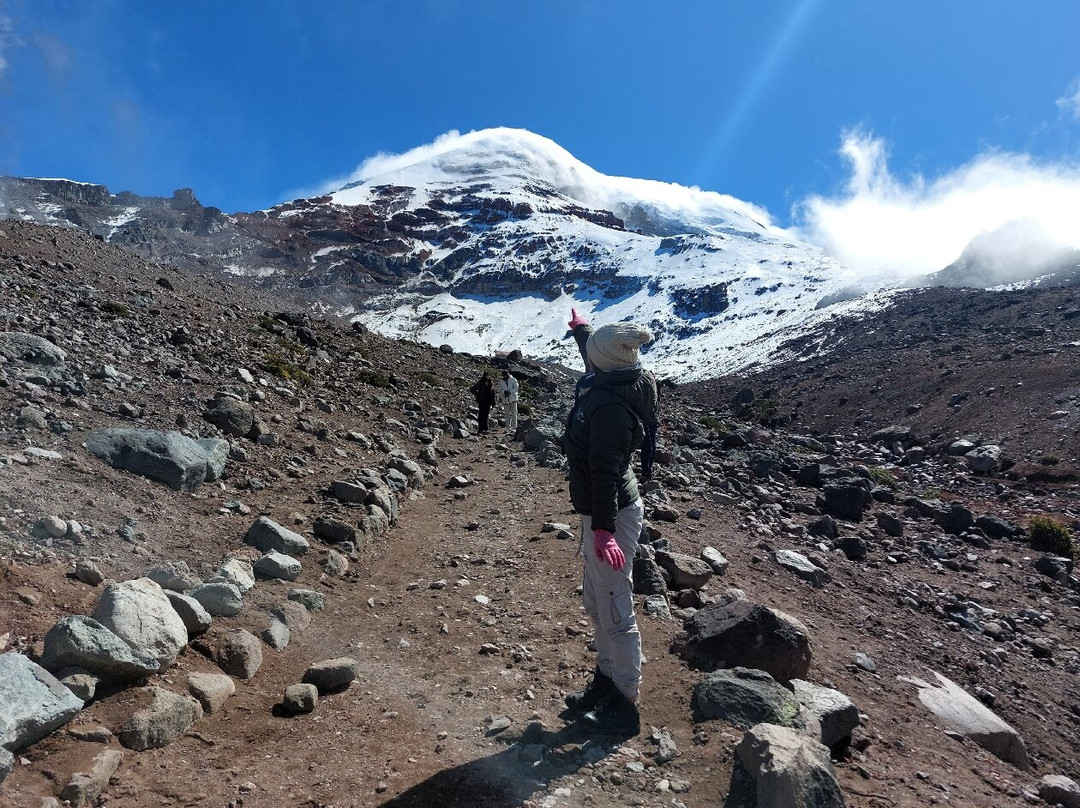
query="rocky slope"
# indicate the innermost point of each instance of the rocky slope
(458, 612)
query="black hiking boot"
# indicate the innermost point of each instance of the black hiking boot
(584, 700)
(614, 715)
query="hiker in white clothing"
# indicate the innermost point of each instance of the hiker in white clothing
(508, 395)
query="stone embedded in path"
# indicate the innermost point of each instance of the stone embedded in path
(33, 702)
(240, 653)
(333, 530)
(747, 635)
(166, 718)
(967, 716)
(790, 769)
(266, 535)
(744, 697)
(802, 567)
(332, 674)
(300, 698)
(833, 710)
(293, 614)
(88, 572)
(219, 599)
(278, 566)
(139, 613)
(77, 641)
(168, 457)
(230, 415)
(85, 788)
(276, 635)
(211, 689)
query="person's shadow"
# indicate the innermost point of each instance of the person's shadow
(504, 780)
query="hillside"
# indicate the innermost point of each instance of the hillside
(462, 616)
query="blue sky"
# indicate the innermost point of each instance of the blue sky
(825, 112)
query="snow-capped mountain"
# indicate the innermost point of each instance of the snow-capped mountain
(485, 241)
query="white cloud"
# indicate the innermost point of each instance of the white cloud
(1069, 103)
(8, 39)
(881, 224)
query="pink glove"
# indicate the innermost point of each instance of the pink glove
(576, 319)
(607, 549)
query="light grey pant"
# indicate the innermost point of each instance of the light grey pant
(510, 414)
(609, 600)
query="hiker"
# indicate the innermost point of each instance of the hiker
(484, 390)
(508, 395)
(612, 406)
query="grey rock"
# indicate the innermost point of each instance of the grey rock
(234, 571)
(310, 599)
(686, 571)
(82, 642)
(335, 564)
(967, 716)
(846, 501)
(744, 697)
(278, 566)
(33, 702)
(648, 580)
(276, 635)
(834, 712)
(86, 788)
(744, 634)
(195, 618)
(139, 613)
(332, 674)
(211, 689)
(19, 347)
(790, 769)
(266, 535)
(174, 575)
(219, 599)
(293, 614)
(348, 492)
(1056, 789)
(984, 458)
(217, 453)
(333, 530)
(802, 567)
(82, 683)
(7, 761)
(300, 698)
(657, 606)
(166, 718)
(168, 457)
(715, 559)
(240, 654)
(230, 415)
(88, 573)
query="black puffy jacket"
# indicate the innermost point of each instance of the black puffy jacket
(604, 428)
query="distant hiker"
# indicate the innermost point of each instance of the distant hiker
(508, 395)
(612, 405)
(484, 390)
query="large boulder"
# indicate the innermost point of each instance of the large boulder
(19, 347)
(32, 702)
(168, 457)
(77, 641)
(139, 613)
(967, 716)
(790, 769)
(747, 635)
(744, 697)
(834, 711)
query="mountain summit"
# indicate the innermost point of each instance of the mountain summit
(484, 241)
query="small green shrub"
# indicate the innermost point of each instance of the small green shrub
(1050, 460)
(524, 408)
(762, 411)
(714, 423)
(1050, 536)
(281, 367)
(428, 377)
(115, 309)
(376, 378)
(884, 477)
